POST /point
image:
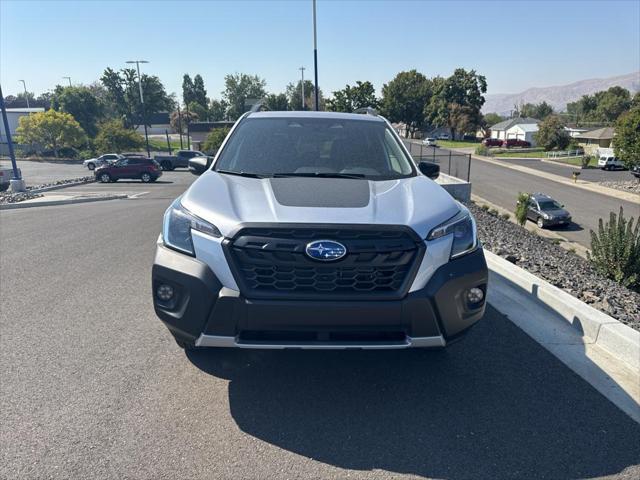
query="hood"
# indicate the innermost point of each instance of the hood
(90, 160)
(557, 212)
(228, 201)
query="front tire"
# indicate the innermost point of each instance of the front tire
(105, 177)
(91, 166)
(145, 177)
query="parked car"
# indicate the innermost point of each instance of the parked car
(143, 168)
(635, 171)
(180, 159)
(270, 248)
(430, 142)
(515, 142)
(443, 136)
(546, 212)
(608, 162)
(93, 163)
(492, 142)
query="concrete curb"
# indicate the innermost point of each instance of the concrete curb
(58, 187)
(14, 206)
(619, 340)
(591, 187)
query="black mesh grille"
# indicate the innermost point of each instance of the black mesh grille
(271, 262)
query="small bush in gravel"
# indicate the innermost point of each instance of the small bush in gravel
(506, 216)
(522, 204)
(484, 151)
(615, 250)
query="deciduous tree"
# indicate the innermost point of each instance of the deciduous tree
(277, 102)
(114, 137)
(82, 104)
(215, 139)
(551, 134)
(238, 88)
(349, 99)
(51, 129)
(404, 99)
(218, 110)
(626, 141)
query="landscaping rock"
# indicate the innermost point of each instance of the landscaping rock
(564, 269)
(632, 185)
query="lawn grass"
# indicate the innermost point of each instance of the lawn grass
(161, 145)
(534, 153)
(457, 143)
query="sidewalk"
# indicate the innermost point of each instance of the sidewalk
(54, 198)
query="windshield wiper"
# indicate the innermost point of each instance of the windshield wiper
(242, 174)
(319, 175)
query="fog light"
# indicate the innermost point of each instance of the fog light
(475, 295)
(165, 292)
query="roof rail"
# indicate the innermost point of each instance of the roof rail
(367, 110)
(259, 106)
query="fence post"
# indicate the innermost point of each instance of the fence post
(166, 132)
(449, 162)
(469, 168)
(421, 145)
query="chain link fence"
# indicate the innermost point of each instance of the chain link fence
(452, 163)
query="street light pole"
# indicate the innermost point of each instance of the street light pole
(16, 183)
(315, 53)
(68, 78)
(302, 69)
(26, 95)
(144, 112)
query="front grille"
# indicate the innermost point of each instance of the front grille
(271, 262)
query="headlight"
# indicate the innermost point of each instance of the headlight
(546, 216)
(463, 228)
(176, 230)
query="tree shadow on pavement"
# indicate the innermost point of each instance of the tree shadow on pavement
(495, 405)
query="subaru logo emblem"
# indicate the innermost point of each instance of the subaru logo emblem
(325, 250)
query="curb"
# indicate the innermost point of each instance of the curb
(619, 340)
(58, 187)
(611, 192)
(14, 206)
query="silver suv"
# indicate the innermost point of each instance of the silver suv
(316, 230)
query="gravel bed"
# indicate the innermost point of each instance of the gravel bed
(9, 197)
(632, 185)
(564, 269)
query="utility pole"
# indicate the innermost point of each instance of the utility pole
(144, 112)
(315, 53)
(68, 78)
(302, 69)
(180, 125)
(17, 184)
(26, 94)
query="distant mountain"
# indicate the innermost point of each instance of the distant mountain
(559, 96)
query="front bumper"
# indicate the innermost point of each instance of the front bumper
(205, 313)
(556, 222)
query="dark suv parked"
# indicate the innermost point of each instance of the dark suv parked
(546, 212)
(492, 142)
(141, 168)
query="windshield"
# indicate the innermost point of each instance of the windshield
(549, 205)
(315, 147)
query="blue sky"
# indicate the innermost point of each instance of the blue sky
(515, 44)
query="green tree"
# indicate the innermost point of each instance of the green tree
(294, 94)
(114, 137)
(188, 95)
(51, 129)
(199, 92)
(404, 98)
(201, 112)
(277, 102)
(626, 141)
(551, 134)
(215, 139)
(539, 111)
(491, 119)
(238, 88)
(123, 91)
(180, 121)
(456, 101)
(218, 110)
(82, 104)
(349, 99)
(602, 107)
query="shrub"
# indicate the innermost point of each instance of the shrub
(522, 204)
(483, 150)
(615, 250)
(214, 140)
(485, 207)
(586, 160)
(551, 134)
(506, 216)
(114, 137)
(493, 211)
(52, 130)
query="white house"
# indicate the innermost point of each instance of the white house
(13, 117)
(499, 130)
(523, 131)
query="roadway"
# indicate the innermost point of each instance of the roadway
(93, 386)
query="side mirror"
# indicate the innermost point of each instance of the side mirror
(429, 169)
(198, 165)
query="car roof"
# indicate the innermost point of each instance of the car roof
(313, 114)
(541, 196)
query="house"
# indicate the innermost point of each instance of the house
(499, 130)
(594, 140)
(200, 130)
(575, 131)
(157, 124)
(523, 131)
(13, 117)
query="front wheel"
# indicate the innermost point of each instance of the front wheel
(145, 177)
(105, 177)
(540, 222)
(91, 166)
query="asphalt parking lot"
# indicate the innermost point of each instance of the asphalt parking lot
(36, 173)
(93, 386)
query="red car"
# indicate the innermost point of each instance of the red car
(514, 142)
(492, 142)
(145, 169)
